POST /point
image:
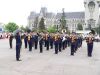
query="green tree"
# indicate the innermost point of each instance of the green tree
(52, 29)
(41, 25)
(63, 20)
(23, 28)
(79, 26)
(10, 27)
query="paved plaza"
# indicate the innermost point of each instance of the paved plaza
(48, 63)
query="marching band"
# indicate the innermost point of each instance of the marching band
(56, 41)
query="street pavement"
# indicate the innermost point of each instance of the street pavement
(48, 63)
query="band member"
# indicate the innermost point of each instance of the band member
(80, 39)
(30, 41)
(45, 37)
(18, 46)
(47, 40)
(60, 42)
(76, 43)
(56, 42)
(36, 40)
(89, 41)
(41, 42)
(51, 40)
(64, 42)
(10, 40)
(25, 40)
(73, 42)
(68, 40)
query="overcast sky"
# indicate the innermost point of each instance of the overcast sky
(18, 10)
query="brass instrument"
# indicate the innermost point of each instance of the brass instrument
(29, 37)
(56, 37)
(73, 38)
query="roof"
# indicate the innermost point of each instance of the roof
(50, 15)
(58, 15)
(72, 15)
(33, 15)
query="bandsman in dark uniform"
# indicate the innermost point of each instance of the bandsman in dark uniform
(80, 41)
(76, 43)
(89, 41)
(60, 43)
(18, 46)
(64, 42)
(73, 43)
(10, 40)
(35, 40)
(56, 42)
(47, 40)
(51, 40)
(41, 39)
(25, 39)
(30, 41)
(68, 40)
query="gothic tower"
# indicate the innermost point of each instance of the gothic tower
(91, 13)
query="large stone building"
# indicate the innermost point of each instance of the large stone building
(34, 18)
(72, 19)
(91, 13)
(88, 19)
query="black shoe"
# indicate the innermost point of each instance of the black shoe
(19, 60)
(59, 51)
(89, 55)
(41, 52)
(72, 54)
(55, 53)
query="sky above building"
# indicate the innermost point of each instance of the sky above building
(18, 10)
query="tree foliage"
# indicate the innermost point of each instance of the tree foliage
(23, 28)
(63, 20)
(79, 26)
(52, 29)
(41, 25)
(10, 27)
